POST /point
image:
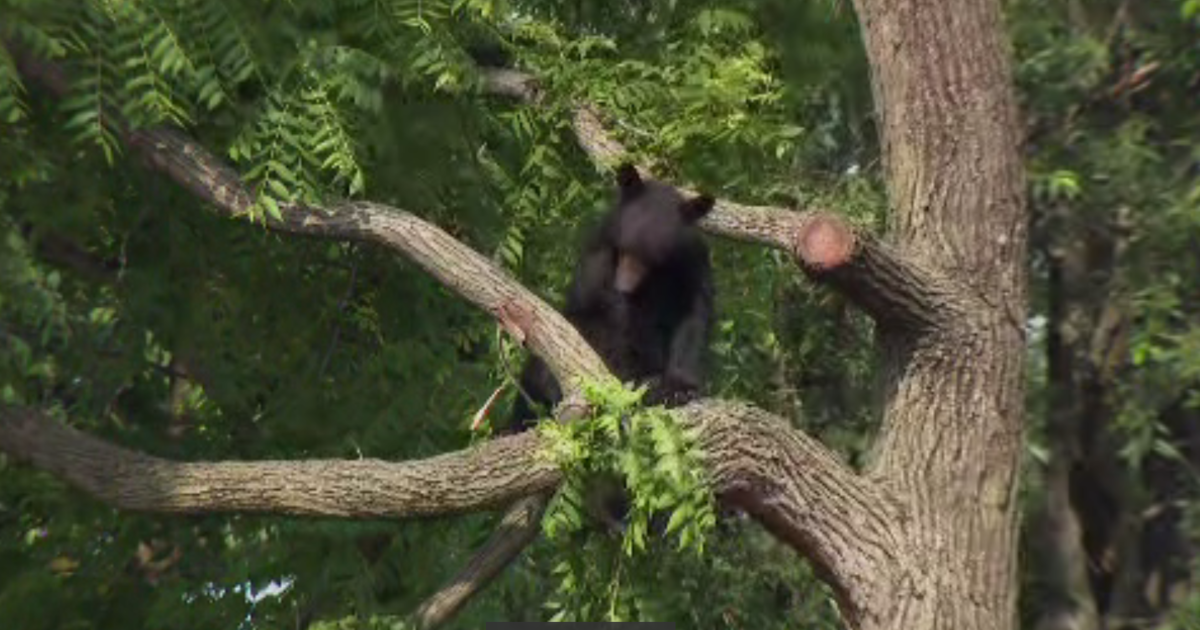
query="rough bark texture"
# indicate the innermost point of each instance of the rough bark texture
(488, 476)
(951, 437)
(924, 538)
(841, 521)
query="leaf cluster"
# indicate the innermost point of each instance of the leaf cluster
(659, 464)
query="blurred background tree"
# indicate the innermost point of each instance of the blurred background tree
(1109, 94)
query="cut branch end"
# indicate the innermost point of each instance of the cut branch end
(825, 242)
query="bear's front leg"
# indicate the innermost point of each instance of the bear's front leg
(670, 392)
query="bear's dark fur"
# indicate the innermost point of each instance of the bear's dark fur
(642, 296)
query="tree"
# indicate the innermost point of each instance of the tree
(1112, 206)
(924, 536)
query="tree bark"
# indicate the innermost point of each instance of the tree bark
(924, 538)
(950, 443)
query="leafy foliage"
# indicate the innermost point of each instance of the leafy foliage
(1114, 172)
(651, 455)
(146, 321)
(656, 459)
(135, 315)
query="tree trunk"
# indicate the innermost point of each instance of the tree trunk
(952, 429)
(924, 539)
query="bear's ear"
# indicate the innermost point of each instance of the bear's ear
(628, 179)
(695, 208)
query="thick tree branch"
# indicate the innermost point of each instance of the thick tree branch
(493, 474)
(521, 312)
(846, 524)
(841, 521)
(524, 315)
(518, 528)
(895, 291)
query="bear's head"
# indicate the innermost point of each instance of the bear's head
(654, 223)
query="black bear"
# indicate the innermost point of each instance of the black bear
(642, 296)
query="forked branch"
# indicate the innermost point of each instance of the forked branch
(890, 288)
(523, 314)
(788, 480)
(846, 524)
(843, 522)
